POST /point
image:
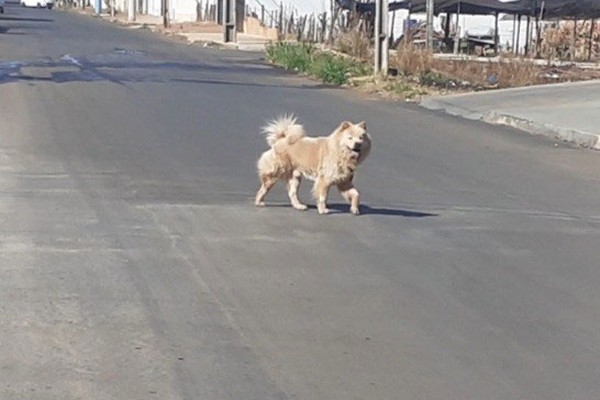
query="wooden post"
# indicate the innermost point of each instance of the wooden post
(574, 41)
(538, 35)
(527, 35)
(408, 33)
(591, 39)
(280, 24)
(334, 16)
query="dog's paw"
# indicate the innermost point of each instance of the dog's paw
(301, 207)
(355, 211)
(260, 204)
(324, 211)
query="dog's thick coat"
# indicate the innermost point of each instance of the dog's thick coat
(328, 160)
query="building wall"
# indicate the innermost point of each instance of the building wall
(179, 10)
(182, 10)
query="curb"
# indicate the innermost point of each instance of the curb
(574, 136)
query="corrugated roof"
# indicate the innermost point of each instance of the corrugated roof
(551, 8)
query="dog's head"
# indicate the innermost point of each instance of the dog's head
(355, 139)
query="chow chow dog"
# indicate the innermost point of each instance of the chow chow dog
(328, 160)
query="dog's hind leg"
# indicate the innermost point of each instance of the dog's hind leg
(293, 184)
(349, 192)
(267, 183)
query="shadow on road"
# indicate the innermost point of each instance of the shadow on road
(340, 208)
(27, 19)
(129, 66)
(390, 212)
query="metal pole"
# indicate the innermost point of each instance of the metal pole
(514, 32)
(381, 37)
(131, 11)
(518, 48)
(457, 33)
(496, 37)
(429, 25)
(377, 66)
(385, 38)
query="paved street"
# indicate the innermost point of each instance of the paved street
(134, 265)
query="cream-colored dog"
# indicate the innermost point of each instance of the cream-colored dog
(328, 160)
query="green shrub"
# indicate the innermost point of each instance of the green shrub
(327, 67)
(295, 57)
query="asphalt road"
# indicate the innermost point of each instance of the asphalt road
(134, 265)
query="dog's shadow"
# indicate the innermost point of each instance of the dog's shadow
(368, 210)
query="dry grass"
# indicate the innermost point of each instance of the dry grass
(494, 73)
(411, 61)
(354, 43)
(504, 72)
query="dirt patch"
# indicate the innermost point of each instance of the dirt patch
(192, 27)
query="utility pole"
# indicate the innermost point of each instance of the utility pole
(229, 25)
(131, 11)
(381, 37)
(429, 6)
(165, 10)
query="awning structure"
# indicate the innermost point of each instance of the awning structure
(470, 7)
(582, 9)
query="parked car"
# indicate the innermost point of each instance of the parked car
(1, 6)
(38, 3)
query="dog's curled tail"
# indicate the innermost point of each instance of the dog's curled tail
(284, 127)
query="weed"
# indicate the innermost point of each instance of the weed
(327, 67)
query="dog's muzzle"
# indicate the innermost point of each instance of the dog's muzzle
(355, 149)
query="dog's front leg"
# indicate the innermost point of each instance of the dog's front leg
(320, 191)
(351, 195)
(293, 184)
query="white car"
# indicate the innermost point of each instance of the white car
(38, 3)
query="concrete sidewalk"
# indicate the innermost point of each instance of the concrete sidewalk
(567, 111)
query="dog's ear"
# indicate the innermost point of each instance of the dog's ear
(345, 125)
(363, 125)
